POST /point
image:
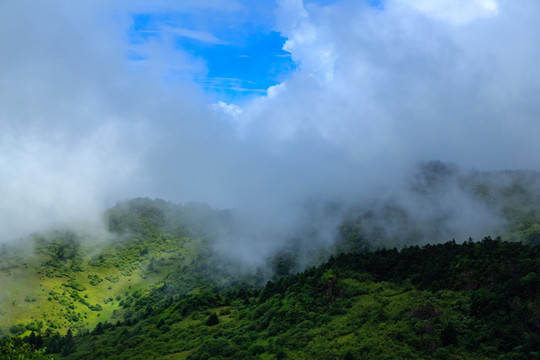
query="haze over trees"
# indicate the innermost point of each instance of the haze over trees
(161, 287)
(238, 179)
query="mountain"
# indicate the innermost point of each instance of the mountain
(155, 284)
(474, 300)
(64, 279)
(448, 301)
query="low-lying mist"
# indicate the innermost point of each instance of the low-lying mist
(344, 139)
(437, 202)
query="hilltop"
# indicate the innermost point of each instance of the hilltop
(154, 283)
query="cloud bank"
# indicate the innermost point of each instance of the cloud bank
(402, 82)
(376, 90)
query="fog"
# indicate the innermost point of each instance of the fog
(377, 89)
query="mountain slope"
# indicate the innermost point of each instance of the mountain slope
(449, 301)
(152, 282)
(64, 280)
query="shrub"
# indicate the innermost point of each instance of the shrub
(212, 320)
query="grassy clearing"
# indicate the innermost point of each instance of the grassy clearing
(39, 292)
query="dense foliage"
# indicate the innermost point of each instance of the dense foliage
(449, 301)
(156, 289)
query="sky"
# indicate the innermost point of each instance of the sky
(255, 105)
(238, 52)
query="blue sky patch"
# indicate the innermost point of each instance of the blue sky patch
(247, 69)
(240, 62)
(242, 53)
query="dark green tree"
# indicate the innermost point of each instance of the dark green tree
(212, 320)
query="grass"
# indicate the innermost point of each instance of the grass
(30, 295)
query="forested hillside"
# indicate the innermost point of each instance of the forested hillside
(270, 179)
(154, 285)
(66, 280)
(472, 301)
(475, 300)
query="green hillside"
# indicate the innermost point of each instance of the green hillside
(153, 285)
(62, 280)
(470, 301)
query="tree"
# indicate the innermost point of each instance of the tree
(212, 320)
(449, 335)
(68, 343)
(12, 351)
(98, 330)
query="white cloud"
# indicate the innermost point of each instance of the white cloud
(295, 24)
(203, 36)
(408, 86)
(275, 90)
(184, 5)
(73, 118)
(457, 12)
(229, 109)
(375, 91)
